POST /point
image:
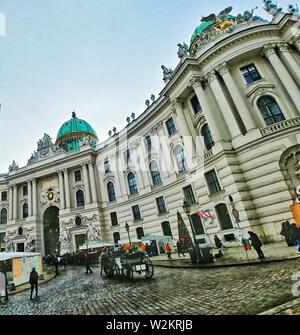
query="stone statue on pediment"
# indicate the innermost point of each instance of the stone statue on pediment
(183, 50)
(13, 166)
(167, 73)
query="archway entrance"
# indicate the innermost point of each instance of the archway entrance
(51, 230)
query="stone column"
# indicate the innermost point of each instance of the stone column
(285, 51)
(236, 97)
(15, 202)
(10, 211)
(34, 197)
(120, 176)
(29, 198)
(207, 112)
(67, 188)
(296, 41)
(223, 104)
(61, 189)
(86, 183)
(283, 74)
(93, 183)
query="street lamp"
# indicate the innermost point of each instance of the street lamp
(187, 210)
(127, 229)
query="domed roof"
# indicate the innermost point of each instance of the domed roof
(74, 130)
(204, 25)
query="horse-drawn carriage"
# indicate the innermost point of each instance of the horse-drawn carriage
(123, 265)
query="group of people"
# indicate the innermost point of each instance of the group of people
(291, 234)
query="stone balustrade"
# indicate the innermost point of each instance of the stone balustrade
(276, 127)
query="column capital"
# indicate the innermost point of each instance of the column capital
(196, 81)
(296, 41)
(269, 49)
(177, 105)
(283, 47)
(222, 68)
(211, 76)
(65, 171)
(90, 162)
(59, 171)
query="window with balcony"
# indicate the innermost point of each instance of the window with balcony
(250, 73)
(270, 110)
(170, 126)
(212, 182)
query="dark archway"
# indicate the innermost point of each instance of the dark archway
(51, 230)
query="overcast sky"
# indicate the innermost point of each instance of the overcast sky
(101, 58)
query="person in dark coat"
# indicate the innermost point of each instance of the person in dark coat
(256, 243)
(87, 264)
(180, 249)
(33, 281)
(286, 231)
(218, 244)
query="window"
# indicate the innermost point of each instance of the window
(212, 182)
(166, 228)
(155, 174)
(180, 158)
(136, 213)
(132, 183)
(116, 237)
(127, 156)
(208, 140)
(171, 126)
(139, 233)
(161, 206)
(107, 167)
(111, 191)
(114, 219)
(197, 224)
(250, 73)
(80, 198)
(189, 195)
(3, 216)
(270, 110)
(223, 217)
(4, 196)
(25, 210)
(196, 105)
(148, 143)
(78, 220)
(25, 190)
(77, 175)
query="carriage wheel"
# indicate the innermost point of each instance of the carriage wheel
(127, 272)
(116, 270)
(108, 269)
(149, 268)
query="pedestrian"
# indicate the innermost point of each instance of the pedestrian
(180, 249)
(56, 263)
(5, 283)
(33, 281)
(256, 244)
(219, 245)
(87, 264)
(168, 250)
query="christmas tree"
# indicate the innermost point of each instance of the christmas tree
(184, 236)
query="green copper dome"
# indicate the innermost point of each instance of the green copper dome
(74, 130)
(204, 25)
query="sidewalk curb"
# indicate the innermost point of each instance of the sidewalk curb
(283, 307)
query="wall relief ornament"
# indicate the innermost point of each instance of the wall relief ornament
(50, 196)
(92, 232)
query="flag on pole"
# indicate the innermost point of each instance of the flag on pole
(184, 235)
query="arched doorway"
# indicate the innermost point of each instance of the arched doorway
(51, 230)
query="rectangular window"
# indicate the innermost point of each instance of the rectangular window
(189, 195)
(136, 213)
(114, 219)
(161, 205)
(107, 166)
(196, 105)
(250, 73)
(4, 196)
(127, 156)
(25, 190)
(212, 182)
(77, 175)
(148, 143)
(171, 126)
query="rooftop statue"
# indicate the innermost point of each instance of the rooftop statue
(183, 50)
(147, 103)
(221, 17)
(13, 166)
(152, 97)
(247, 16)
(271, 8)
(45, 142)
(293, 9)
(167, 73)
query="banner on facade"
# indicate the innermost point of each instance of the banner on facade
(295, 208)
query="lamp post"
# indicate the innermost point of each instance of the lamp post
(187, 210)
(127, 229)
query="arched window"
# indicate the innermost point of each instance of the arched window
(116, 237)
(111, 191)
(3, 216)
(79, 198)
(208, 140)
(180, 158)
(270, 110)
(132, 183)
(223, 217)
(197, 224)
(166, 228)
(25, 210)
(155, 174)
(139, 233)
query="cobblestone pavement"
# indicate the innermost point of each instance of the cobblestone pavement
(245, 290)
